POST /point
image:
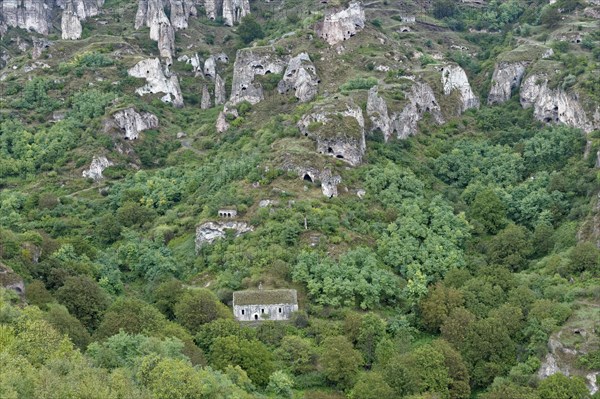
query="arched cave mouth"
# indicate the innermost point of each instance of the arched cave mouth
(307, 177)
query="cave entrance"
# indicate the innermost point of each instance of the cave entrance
(307, 177)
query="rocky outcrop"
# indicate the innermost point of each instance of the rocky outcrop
(342, 25)
(11, 280)
(99, 163)
(69, 24)
(151, 13)
(455, 78)
(338, 129)
(222, 124)
(220, 93)
(192, 60)
(34, 15)
(181, 10)
(210, 67)
(133, 122)
(39, 45)
(210, 231)
(506, 78)
(377, 111)
(300, 76)
(422, 100)
(329, 183)
(213, 8)
(158, 81)
(205, 102)
(554, 105)
(249, 63)
(234, 11)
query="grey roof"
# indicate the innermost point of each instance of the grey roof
(265, 297)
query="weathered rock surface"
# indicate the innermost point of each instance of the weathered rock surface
(329, 183)
(422, 100)
(342, 25)
(39, 45)
(192, 60)
(455, 78)
(234, 11)
(69, 24)
(300, 76)
(506, 78)
(222, 123)
(554, 105)
(338, 129)
(158, 81)
(99, 163)
(11, 280)
(133, 122)
(220, 93)
(181, 10)
(205, 102)
(210, 67)
(151, 13)
(210, 231)
(250, 62)
(34, 15)
(213, 8)
(377, 111)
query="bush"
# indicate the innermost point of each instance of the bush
(359, 84)
(250, 30)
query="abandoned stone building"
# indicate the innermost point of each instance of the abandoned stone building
(259, 304)
(227, 213)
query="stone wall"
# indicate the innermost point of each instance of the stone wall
(264, 312)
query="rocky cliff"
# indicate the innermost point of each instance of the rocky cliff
(133, 122)
(455, 78)
(151, 13)
(158, 80)
(300, 76)
(248, 64)
(34, 15)
(338, 127)
(506, 78)
(554, 105)
(341, 25)
(234, 11)
(99, 163)
(211, 231)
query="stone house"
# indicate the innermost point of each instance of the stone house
(227, 213)
(259, 304)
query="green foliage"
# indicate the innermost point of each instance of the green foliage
(197, 307)
(34, 96)
(249, 29)
(251, 355)
(371, 386)
(511, 247)
(359, 84)
(84, 299)
(558, 386)
(340, 361)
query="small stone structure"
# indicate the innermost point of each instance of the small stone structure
(227, 213)
(255, 305)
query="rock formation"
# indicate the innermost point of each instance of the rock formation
(181, 10)
(99, 163)
(404, 123)
(329, 183)
(341, 25)
(133, 122)
(300, 76)
(210, 67)
(250, 62)
(553, 105)
(158, 81)
(69, 24)
(213, 8)
(210, 231)
(506, 78)
(151, 13)
(338, 129)
(222, 123)
(32, 15)
(220, 93)
(39, 45)
(192, 60)
(234, 11)
(205, 101)
(455, 78)
(11, 280)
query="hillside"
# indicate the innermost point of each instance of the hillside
(424, 175)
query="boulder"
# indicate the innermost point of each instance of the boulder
(455, 78)
(181, 10)
(99, 163)
(250, 62)
(340, 25)
(300, 76)
(222, 123)
(158, 81)
(39, 45)
(506, 78)
(208, 232)
(133, 122)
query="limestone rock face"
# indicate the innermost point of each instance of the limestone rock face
(151, 13)
(210, 231)
(158, 81)
(181, 10)
(34, 15)
(329, 183)
(554, 105)
(300, 76)
(213, 8)
(338, 129)
(507, 77)
(11, 280)
(220, 93)
(99, 163)
(39, 45)
(133, 122)
(234, 11)
(455, 78)
(250, 62)
(377, 111)
(342, 25)
(205, 102)
(222, 124)
(422, 100)
(75, 11)
(192, 60)
(70, 25)
(210, 67)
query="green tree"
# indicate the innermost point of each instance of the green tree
(438, 304)
(130, 315)
(297, 353)
(197, 307)
(58, 316)
(340, 361)
(281, 385)
(84, 299)
(249, 29)
(489, 211)
(372, 385)
(511, 247)
(585, 256)
(370, 333)
(559, 386)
